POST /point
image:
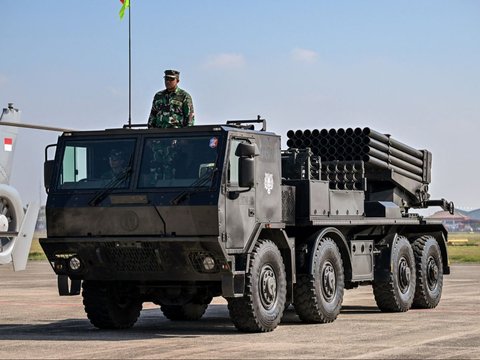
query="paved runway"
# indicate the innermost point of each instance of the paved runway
(36, 323)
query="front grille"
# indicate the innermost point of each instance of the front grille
(133, 259)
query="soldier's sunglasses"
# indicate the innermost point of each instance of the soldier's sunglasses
(170, 79)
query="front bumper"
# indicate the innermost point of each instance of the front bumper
(174, 259)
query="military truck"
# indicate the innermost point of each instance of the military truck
(221, 210)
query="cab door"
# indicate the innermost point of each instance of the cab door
(240, 212)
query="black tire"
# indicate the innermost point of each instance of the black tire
(395, 293)
(188, 312)
(262, 305)
(428, 260)
(318, 297)
(111, 306)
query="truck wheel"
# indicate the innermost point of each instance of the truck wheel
(261, 307)
(396, 292)
(109, 306)
(190, 311)
(428, 260)
(318, 297)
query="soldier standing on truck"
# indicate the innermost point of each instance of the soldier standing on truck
(172, 107)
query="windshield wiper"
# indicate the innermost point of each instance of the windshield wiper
(112, 184)
(194, 187)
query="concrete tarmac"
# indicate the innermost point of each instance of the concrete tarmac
(36, 323)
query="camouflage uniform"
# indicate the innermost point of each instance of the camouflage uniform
(171, 109)
(163, 156)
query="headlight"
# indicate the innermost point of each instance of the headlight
(208, 263)
(74, 263)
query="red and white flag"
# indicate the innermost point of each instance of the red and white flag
(7, 144)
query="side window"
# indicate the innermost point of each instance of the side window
(74, 164)
(233, 163)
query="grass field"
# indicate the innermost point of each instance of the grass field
(468, 252)
(36, 252)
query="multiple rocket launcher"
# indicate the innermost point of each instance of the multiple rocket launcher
(348, 156)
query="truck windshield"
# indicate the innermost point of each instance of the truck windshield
(165, 162)
(96, 164)
(178, 162)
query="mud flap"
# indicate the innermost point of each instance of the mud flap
(233, 286)
(68, 287)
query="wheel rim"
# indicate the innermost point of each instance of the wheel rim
(432, 273)
(329, 282)
(268, 287)
(404, 274)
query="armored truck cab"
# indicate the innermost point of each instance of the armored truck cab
(179, 216)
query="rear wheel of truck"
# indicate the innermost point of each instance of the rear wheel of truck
(395, 291)
(190, 311)
(428, 259)
(111, 306)
(318, 297)
(261, 307)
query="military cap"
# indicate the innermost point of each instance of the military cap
(116, 154)
(172, 74)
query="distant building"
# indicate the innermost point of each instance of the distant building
(460, 221)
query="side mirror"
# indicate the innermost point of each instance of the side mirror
(47, 173)
(246, 172)
(245, 150)
(246, 164)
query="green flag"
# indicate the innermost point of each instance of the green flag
(125, 5)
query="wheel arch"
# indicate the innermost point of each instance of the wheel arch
(383, 260)
(339, 238)
(440, 234)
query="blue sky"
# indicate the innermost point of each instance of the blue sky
(408, 68)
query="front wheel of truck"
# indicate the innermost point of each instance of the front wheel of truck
(261, 307)
(111, 305)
